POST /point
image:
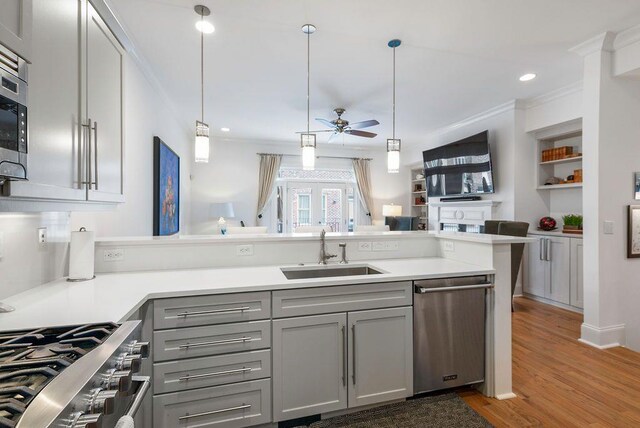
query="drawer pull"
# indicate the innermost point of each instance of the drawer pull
(222, 373)
(212, 312)
(214, 412)
(215, 342)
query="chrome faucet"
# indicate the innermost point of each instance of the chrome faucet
(323, 250)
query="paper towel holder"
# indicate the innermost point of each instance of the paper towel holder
(82, 229)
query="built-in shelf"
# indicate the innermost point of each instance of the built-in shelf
(420, 191)
(560, 186)
(420, 205)
(418, 181)
(559, 161)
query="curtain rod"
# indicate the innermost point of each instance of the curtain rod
(317, 157)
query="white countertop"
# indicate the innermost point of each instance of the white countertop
(555, 233)
(114, 297)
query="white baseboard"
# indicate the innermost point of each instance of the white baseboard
(602, 337)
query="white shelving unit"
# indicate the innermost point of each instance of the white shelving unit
(560, 168)
(418, 192)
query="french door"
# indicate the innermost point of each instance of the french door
(320, 204)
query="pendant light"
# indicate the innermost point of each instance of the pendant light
(308, 140)
(393, 143)
(202, 129)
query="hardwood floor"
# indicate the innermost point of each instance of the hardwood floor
(559, 381)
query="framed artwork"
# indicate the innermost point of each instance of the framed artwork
(636, 185)
(166, 189)
(633, 238)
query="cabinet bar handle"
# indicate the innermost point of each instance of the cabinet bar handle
(89, 174)
(423, 290)
(214, 412)
(353, 334)
(222, 373)
(549, 250)
(541, 249)
(211, 312)
(344, 355)
(215, 342)
(95, 153)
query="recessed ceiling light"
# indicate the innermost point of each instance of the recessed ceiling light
(225, 129)
(527, 77)
(205, 26)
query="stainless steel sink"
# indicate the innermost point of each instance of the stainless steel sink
(328, 271)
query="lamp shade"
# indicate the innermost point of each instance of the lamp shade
(222, 209)
(392, 210)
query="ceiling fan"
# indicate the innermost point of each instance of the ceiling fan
(342, 126)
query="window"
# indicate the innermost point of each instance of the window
(304, 210)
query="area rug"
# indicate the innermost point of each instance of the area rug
(439, 411)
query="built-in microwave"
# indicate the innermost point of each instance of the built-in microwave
(13, 116)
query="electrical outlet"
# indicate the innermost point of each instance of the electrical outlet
(364, 246)
(378, 246)
(244, 250)
(42, 235)
(391, 246)
(1, 244)
(114, 255)
(608, 228)
(449, 246)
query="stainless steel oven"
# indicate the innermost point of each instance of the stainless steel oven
(13, 116)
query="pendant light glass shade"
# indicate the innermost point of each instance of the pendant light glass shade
(308, 144)
(201, 148)
(393, 143)
(202, 142)
(393, 156)
(308, 140)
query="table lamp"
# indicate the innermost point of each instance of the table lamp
(220, 210)
(391, 210)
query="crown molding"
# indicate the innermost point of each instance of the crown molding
(494, 111)
(554, 95)
(627, 37)
(601, 42)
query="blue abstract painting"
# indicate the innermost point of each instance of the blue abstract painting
(166, 189)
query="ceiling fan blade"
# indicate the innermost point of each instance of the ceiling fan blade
(325, 122)
(364, 124)
(360, 133)
(315, 132)
(332, 137)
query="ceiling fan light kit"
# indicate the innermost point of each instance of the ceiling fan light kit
(201, 149)
(307, 139)
(393, 143)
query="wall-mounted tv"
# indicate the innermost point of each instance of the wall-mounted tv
(459, 168)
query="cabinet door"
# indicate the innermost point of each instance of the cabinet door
(309, 365)
(104, 62)
(558, 256)
(15, 26)
(54, 107)
(380, 355)
(536, 279)
(576, 273)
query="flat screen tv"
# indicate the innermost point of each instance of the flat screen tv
(459, 168)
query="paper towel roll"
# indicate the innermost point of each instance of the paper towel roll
(81, 255)
(125, 422)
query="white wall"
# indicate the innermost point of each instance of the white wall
(232, 176)
(502, 140)
(24, 263)
(146, 115)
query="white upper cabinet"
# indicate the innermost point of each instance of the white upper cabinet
(76, 138)
(54, 104)
(15, 26)
(103, 71)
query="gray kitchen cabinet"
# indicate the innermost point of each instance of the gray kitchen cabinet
(211, 340)
(76, 76)
(325, 363)
(206, 310)
(577, 278)
(554, 270)
(309, 365)
(229, 406)
(381, 355)
(15, 26)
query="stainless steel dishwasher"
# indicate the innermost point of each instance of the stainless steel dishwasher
(449, 332)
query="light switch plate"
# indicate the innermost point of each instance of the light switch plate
(378, 246)
(608, 227)
(364, 246)
(449, 246)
